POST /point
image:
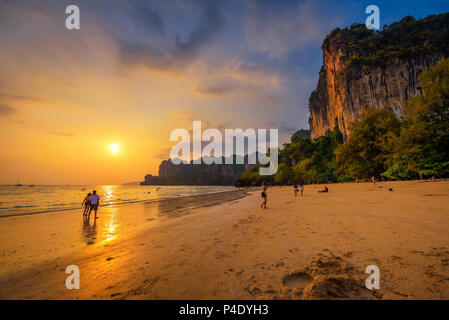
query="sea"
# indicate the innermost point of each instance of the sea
(22, 200)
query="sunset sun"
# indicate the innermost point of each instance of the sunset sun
(114, 148)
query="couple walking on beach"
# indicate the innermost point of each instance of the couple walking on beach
(91, 202)
(295, 189)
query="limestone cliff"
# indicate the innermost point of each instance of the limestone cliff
(197, 174)
(363, 69)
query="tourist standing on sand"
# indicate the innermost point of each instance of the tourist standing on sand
(264, 196)
(94, 202)
(295, 189)
(302, 189)
(86, 204)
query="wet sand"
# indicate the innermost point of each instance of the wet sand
(226, 247)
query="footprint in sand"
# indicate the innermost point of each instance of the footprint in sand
(328, 277)
(336, 287)
(297, 280)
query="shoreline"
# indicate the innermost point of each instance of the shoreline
(27, 240)
(312, 247)
(114, 204)
(187, 196)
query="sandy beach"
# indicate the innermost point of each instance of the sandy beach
(224, 246)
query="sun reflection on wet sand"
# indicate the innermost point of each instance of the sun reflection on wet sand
(110, 227)
(107, 230)
(113, 224)
(92, 231)
(70, 237)
(89, 231)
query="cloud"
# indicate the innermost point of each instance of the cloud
(186, 118)
(6, 110)
(162, 154)
(214, 90)
(61, 133)
(280, 27)
(44, 128)
(225, 76)
(20, 97)
(181, 51)
(284, 128)
(148, 18)
(250, 73)
(196, 49)
(257, 95)
(49, 130)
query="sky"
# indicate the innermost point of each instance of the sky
(136, 70)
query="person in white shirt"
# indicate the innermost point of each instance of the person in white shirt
(94, 200)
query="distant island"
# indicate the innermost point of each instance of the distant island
(198, 174)
(134, 183)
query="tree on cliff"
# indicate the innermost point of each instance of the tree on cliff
(366, 152)
(416, 146)
(363, 68)
(422, 149)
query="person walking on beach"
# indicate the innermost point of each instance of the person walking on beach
(94, 199)
(264, 196)
(295, 189)
(86, 204)
(301, 187)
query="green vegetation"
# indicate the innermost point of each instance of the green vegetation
(422, 148)
(380, 144)
(367, 150)
(301, 160)
(406, 38)
(302, 134)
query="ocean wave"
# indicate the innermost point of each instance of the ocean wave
(19, 207)
(36, 200)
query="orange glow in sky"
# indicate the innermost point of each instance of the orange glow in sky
(76, 92)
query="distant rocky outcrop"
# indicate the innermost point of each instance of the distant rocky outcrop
(134, 183)
(302, 134)
(197, 174)
(363, 69)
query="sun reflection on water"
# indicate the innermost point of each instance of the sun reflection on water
(108, 193)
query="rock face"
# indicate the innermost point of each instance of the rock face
(354, 78)
(196, 174)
